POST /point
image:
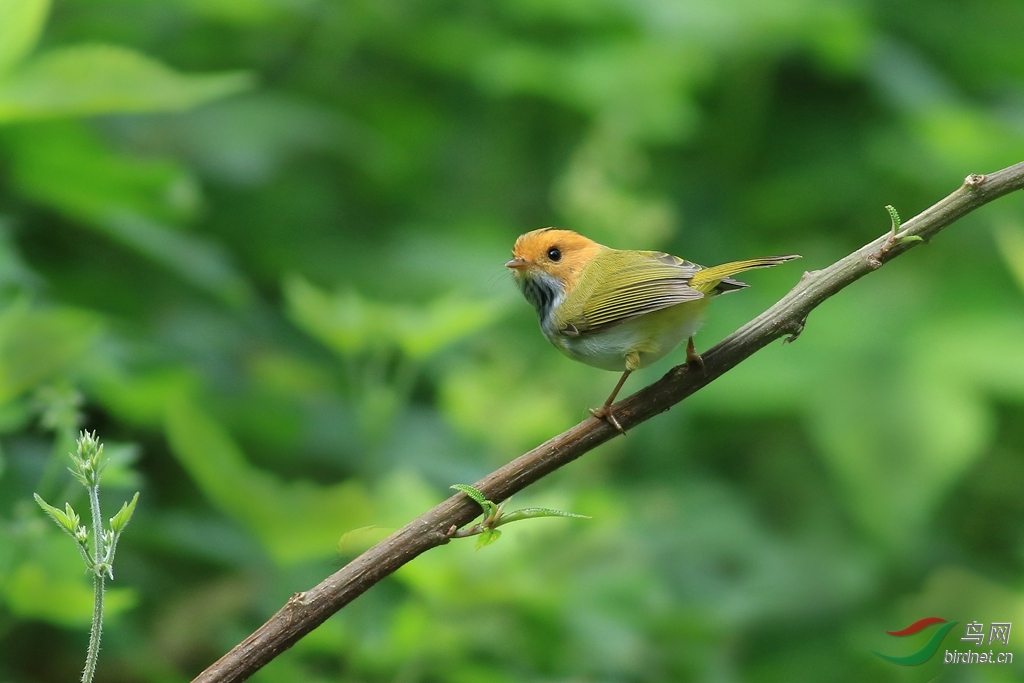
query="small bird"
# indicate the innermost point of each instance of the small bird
(618, 309)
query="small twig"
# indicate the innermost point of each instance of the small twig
(494, 516)
(305, 611)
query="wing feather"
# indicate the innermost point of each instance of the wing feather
(627, 285)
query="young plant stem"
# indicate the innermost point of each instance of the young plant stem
(98, 585)
(96, 630)
(99, 559)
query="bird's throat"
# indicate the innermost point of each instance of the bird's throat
(544, 293)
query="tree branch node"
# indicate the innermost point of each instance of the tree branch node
(974, 179)
(795, 329)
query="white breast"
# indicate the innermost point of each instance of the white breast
(652, 336)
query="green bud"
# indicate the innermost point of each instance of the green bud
(88, 445)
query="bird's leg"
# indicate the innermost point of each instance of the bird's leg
(605, 411)
(692, 357)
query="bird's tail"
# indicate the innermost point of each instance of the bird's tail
(717, 278)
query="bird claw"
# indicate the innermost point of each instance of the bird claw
(605, 413)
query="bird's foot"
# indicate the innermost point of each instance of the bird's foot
(605, 413)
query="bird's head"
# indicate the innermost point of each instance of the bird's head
(547, 264)
(551, 254)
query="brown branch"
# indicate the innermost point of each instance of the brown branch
(305, 611)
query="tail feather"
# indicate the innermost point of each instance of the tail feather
(708, 279)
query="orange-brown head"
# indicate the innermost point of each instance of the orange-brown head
(547, 264)
(560, 254)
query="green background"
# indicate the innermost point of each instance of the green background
(258, 245)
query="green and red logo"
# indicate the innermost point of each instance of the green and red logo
(929, 649)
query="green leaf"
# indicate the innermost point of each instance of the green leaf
(491, 510)
(201, 263)
(139, 398)
(535, 513)
(487, 537)
(1010, 240)
(56, 590)
(472, 493)
(343, 321)
(100, 79)
(295, 521)
(119, 521)
(59, 407)
(66, 519)
(350, 323)
(424, 330)
(38, 346)
(248, 13)
(137, 202)
(67, 166)
(357, 540)
(21, 22)
(895, 217)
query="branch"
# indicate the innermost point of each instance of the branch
(305, 611)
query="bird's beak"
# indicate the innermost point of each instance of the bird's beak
(516, 264)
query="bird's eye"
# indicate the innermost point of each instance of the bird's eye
(554, 254)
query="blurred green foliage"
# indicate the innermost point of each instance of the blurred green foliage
(258, 245)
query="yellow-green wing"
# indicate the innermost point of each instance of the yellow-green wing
(620, 285)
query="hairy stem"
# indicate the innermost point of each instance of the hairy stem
(98, 585)
(96, 630)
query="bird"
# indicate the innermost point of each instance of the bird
(618, 309)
